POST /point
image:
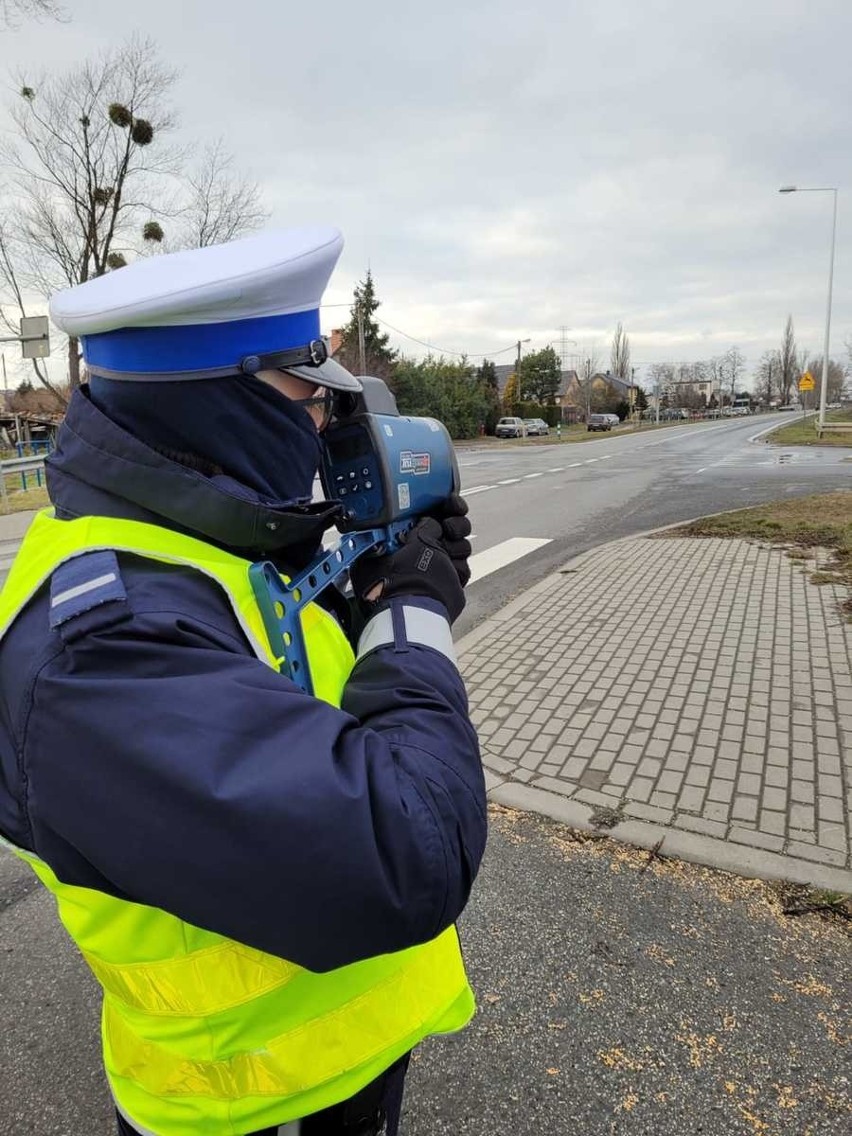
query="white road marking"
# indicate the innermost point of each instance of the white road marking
(509, 481)
(500, 555)
(574, 465)
(557, 469)
(476, 489)
(589, 461)
(712, 465)
(530, 476)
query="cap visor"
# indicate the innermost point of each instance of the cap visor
(329, 374)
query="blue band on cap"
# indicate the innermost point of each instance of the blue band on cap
(198, 346)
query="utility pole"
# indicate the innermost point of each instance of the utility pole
(518, 367)
(362, 348)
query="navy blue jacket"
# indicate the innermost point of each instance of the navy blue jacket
(154, 757)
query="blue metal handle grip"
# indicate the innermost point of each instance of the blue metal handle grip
(281, 602)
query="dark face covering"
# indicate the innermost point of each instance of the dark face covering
(240, 426)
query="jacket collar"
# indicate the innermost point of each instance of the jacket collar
(100, 469)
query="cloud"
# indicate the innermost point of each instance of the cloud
(509, 170)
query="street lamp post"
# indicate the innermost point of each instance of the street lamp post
(518, 366)
(824, 388)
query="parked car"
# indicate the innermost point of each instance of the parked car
(614, 419)
(510, 428)
(599, 422)
(536, 427)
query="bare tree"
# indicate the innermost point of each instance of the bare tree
(9, 278)
(767, 377)
(836, 379)
(14, 12)
(620, 353)
(92, 175)
(662, 377)
(221, 204)
(732, 371)
(790, 363)
(588, 369)
(85, 172)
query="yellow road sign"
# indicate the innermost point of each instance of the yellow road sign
(806, 382)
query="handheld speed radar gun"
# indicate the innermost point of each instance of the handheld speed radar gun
(386, 471)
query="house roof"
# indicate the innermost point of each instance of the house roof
(621, 385)
(504, 370)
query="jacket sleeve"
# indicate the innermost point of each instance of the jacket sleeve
(168, 766)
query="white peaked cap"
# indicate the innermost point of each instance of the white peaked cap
(213, 311)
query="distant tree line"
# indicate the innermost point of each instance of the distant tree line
(775, 379)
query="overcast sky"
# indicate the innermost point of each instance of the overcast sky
(508, 169)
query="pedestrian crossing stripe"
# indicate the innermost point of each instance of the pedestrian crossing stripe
(501, 555)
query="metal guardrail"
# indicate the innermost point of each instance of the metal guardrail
(23, 466)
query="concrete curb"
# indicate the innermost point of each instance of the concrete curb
(676, 842)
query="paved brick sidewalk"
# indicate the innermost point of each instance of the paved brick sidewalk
(698, 690)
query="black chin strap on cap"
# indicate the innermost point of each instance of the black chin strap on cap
(313, 354)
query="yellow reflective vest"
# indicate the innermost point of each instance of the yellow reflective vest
(204, 1036)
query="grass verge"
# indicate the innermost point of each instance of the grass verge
(802, 432)
(823, 520)
(19, 500)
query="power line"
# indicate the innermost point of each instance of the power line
(443, 350)
(432, 346)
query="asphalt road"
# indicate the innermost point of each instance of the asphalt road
(568, 951)
(578, 496)
(616, 996)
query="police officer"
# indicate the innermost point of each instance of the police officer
(264, 882)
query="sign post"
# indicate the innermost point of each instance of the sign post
(34, 338)
(806, 383)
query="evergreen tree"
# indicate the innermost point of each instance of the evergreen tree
(641, 400)
(447, 390)
(540, 374)
(488, 373)
(379, 358)
(486, 377)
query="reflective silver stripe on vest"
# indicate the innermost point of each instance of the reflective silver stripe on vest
(291, 1129)
(422, 627)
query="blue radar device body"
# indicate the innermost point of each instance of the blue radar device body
(386, 471)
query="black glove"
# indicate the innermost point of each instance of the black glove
(455, 529)
(421, 567)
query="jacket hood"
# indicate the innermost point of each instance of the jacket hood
(100, 467)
